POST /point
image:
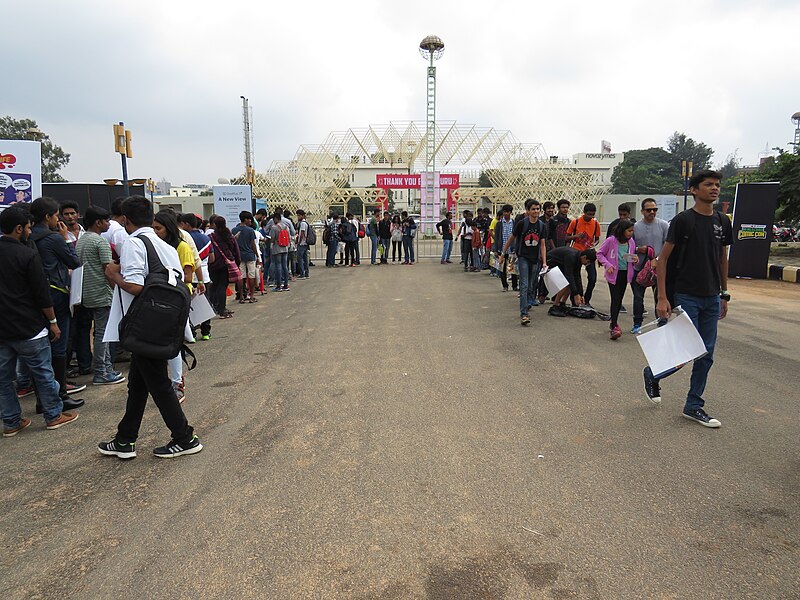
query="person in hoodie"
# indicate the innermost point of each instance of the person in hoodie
(58, 256)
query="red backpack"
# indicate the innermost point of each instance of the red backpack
(283, 238)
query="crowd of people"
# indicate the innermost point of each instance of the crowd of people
(128, 252)
(47, 257)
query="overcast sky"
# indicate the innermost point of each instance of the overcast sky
(564, 74)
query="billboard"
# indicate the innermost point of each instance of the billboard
(230, 200)
(20, 171)
(753, 217)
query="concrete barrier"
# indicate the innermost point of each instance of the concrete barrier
(782, 273)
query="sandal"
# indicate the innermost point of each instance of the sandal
(252, 299)
(526, 320)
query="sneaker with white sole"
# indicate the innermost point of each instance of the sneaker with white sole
(12, 431)
(111, 379)
(701, 417)
(174, 449)
(118, 449)
(651, 386)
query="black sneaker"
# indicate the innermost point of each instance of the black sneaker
(651, 386)
(174, 449)
(115, 448)
(622, 309)
(557, 310)
(701, 417)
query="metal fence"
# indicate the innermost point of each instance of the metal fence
(427, 244)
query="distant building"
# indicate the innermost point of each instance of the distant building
(601, 166)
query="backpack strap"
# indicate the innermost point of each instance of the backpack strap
(184, 351)
(154, 264)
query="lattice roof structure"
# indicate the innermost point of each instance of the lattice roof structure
(318, 175)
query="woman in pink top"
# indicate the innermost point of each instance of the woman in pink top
(617, 255)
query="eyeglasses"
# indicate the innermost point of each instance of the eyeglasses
(650, 210)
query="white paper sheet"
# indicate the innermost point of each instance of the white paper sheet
(200, 310)
(75, 289)
(672, 345)
(555, 281)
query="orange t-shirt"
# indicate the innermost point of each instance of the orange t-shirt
(590, 229)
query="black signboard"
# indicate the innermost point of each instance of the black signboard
(753, 217)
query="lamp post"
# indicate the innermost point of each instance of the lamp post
(686, 173)
(151, 187)
(122, 144)
(431, 48)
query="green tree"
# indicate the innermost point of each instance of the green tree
(730, 177)
(53, 157)
(785, 169)
(685, 148)
(484, 181)
(650, 171)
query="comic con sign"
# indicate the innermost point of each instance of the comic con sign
(20, 171)
(753, 216)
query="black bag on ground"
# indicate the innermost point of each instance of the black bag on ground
(155, 324)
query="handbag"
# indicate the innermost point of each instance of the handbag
(234, 274)
(647, 276)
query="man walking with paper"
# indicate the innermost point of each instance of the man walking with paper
(693, 274)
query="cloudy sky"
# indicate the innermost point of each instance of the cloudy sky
(565, 74)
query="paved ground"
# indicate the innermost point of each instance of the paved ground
(392, 432)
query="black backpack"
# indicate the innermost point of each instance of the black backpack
(156, 320)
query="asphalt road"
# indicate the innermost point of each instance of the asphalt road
(392, 432)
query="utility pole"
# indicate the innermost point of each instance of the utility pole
(248, 141)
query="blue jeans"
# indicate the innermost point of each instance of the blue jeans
(330, 257)
(384, 243)
(408, 248)
(281, 261)
(373, 257)
(447, 249)
(528, 271)
(704, 313)
(302, 260)
(64, 317)
(35, 355)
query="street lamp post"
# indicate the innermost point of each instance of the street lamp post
(686, 173)
(122, 144)
(431, 48)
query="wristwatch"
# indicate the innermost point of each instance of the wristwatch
(724, 295)
(53, 321)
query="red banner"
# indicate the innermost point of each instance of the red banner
(393, 181)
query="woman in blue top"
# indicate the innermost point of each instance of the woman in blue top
(618, 255)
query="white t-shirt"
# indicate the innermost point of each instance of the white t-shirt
(116, 235)
(134, 269)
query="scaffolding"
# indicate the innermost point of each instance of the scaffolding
(319, 175)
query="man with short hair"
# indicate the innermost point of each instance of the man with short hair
(331, 238)
(349, 234)
(116, 234)
(445, 229)
(569, 261)
(147, 376)
(529, 235)
(693, 274)
(385, 236)
(245, 236)
(650, 232)
(279, 254)
(584, 233)
(557, 226)
(58, 257)
(94, 252)
(302, 244)
(29, 318)
(372, 231)
(71, 214)
(623, 212)
(502, 232)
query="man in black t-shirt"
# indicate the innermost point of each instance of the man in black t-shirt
(693, 274)
(557, 226)
(445, 229)
(624, 212)
(529, 237)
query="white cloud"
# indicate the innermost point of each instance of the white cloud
(563, 74)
